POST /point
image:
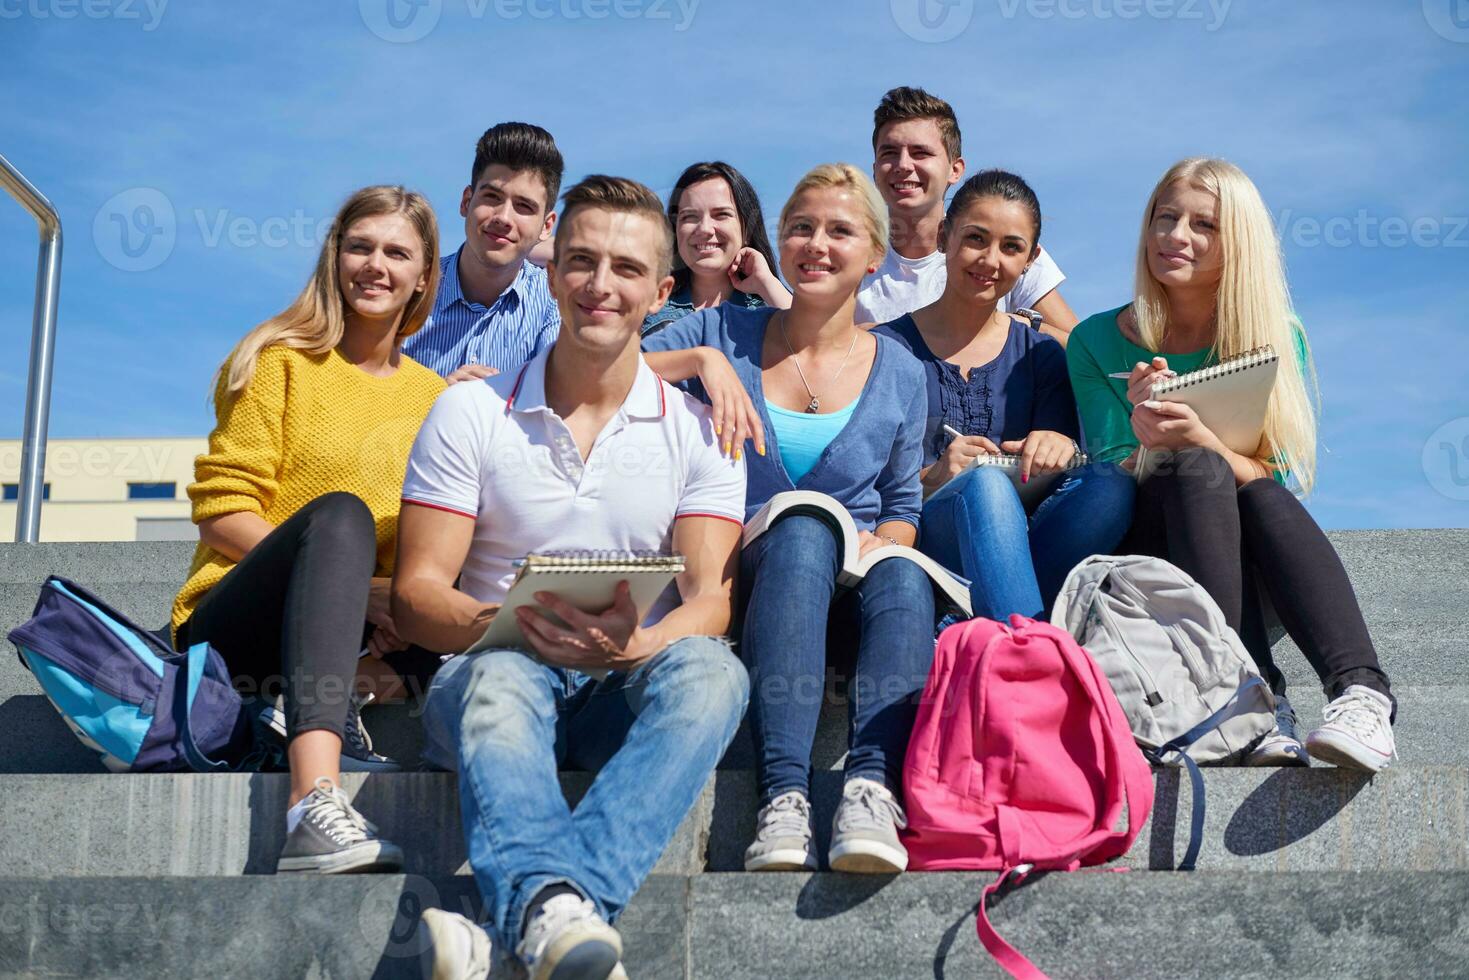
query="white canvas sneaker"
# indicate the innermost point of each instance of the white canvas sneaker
(1357, 731)
(566, 938)
(454, 948)
(782, 836)
(1282, 747)
(864, 833)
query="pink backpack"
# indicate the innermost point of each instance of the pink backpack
(1021, 758)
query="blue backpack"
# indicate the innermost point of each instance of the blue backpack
(126, 695)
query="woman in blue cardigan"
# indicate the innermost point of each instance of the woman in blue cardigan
(834, 408)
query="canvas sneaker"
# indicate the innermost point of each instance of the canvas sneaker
(452, 947)
(1356, 732)
(864, 832)
(333, 838)
(567, 940)
(357, 751)
(782, 836)
(1282, 747)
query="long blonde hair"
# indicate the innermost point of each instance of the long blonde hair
(1252, 306)
(317, 319)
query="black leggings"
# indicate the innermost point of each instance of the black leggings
(292, 610)
(1236, 542)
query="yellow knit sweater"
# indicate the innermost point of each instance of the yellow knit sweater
(307, 424)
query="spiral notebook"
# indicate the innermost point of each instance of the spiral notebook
(1039, 484)
(1230, 398)
(586, 579)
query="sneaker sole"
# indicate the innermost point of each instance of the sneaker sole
(865, 857)
(372, 856)
(784, 860)
(1279, 760)
(591, 955)
(1345, 753)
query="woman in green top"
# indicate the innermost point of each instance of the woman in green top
(1210, 285)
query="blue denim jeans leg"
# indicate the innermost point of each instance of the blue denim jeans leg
(976, 526)
(883, 629)
(653, 736)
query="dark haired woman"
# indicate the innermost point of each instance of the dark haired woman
(1004, 388)
(721, 251)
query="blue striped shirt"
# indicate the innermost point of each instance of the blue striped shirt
(521, 323)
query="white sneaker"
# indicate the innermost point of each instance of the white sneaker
(1357, 731)
(567, 940)
(1282, 747)
(782, 836)
(864, 833)
(453, 947)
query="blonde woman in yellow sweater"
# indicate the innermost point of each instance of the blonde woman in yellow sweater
(297, 505)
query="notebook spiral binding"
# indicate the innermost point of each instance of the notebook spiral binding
(1010, 460)
(1242, 362)
(602, 559)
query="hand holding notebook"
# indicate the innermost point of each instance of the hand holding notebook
(1229, 399)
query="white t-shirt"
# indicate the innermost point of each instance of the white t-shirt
(495, 451)
(900, 286)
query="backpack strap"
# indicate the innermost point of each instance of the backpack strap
(196, 659)
(1196, 778)
(1011, 959)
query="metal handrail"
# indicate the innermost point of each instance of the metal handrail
(43, 349)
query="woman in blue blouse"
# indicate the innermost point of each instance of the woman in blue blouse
(1004, 388)
(842, 410)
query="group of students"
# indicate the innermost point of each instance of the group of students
(389, 447)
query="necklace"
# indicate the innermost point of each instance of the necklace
(814, 405)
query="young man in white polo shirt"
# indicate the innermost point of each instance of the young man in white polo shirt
(916, 158)
(583, 448)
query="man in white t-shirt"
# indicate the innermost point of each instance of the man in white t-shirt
(584, 449)
(916, 159)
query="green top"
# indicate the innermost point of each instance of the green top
(1096, 349)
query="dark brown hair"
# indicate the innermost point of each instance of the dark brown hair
(904, 103)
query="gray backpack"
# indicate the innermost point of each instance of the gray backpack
(1190, 691)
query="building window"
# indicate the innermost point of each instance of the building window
(151, 491)
(12, 491)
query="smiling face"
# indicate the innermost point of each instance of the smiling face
(707, 228)
(1183, 238)
(380, 265)
(911, 167)
(825, 246)
(988, 247)
(605, 276)
(505, 214)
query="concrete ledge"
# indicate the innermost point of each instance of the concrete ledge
(1404, 819)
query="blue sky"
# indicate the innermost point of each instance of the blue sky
(223, 134)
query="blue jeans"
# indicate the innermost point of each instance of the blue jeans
(653, 736)
(790, 577)
(976, 526)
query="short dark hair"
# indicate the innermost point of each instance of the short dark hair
(618, 194)
(747, 206)
(904, 103)
(521, 146)
(997, 183)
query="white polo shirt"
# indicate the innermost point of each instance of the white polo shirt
(495, 451)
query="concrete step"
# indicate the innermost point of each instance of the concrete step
(1404, 819)
(731, 927)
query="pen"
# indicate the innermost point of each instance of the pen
(953, 432)
(1124, 375)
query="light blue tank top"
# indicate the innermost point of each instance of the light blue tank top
(803, 437)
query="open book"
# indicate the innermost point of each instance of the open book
(952, 588)
(586, 579)
(1230, 398)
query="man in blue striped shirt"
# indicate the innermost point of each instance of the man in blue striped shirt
(493, 311)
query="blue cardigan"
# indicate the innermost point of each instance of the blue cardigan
(872, 465)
